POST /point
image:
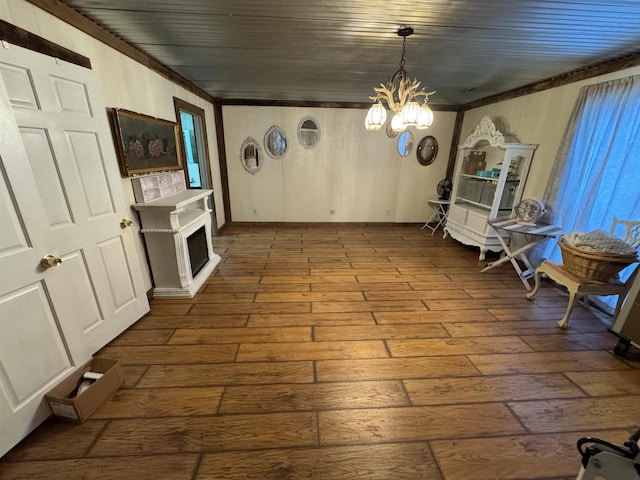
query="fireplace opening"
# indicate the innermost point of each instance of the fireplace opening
(198, 251)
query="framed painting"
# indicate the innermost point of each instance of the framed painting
(146, 144)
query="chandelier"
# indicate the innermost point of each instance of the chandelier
(401, 94)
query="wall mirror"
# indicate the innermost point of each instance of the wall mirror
(405, 144)
(275, 142)
(391, 133)
(250, 155)
(427, 150)
(308, 132)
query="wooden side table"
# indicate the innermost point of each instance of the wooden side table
(439, 216)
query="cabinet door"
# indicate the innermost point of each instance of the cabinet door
(457, 215)
(518, 159)
(477, 222)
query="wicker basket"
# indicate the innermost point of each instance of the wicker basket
(599, 266)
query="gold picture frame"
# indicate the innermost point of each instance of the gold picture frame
(146, 144)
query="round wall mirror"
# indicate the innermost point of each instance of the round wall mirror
(250, 155)
(405, 144)
(308, 132)
(275, 142)
(427, 150)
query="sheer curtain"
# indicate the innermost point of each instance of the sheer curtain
(596, 174)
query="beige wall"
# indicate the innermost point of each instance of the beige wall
(357, 173)
(361, 175)
(539, 118)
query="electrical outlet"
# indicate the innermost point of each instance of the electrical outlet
(254, 211)
(388, 211)
(332, 211)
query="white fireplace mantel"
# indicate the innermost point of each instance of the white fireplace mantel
(167, 224)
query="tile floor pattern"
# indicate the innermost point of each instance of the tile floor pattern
(348, 352)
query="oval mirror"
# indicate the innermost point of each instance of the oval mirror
(427, 150)
(275, 142)
(250, 155)
(308, 132)
(405, 144)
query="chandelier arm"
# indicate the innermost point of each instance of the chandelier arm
(423, 93)
(387, 95)
(406, 92)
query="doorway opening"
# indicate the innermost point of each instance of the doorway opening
(197, 168)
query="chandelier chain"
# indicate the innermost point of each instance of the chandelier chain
(404, 43)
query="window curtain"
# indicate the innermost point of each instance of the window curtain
(596, 174)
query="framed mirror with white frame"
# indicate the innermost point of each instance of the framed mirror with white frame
(308, 132)
(275, 142)
(250, 155)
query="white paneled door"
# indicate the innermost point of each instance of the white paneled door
(60, 195)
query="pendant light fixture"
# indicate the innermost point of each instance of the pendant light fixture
(401, 94)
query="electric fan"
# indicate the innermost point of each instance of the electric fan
(444, 189)
(530, 210)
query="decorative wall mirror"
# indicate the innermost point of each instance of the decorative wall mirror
(275, 142)
(427, 150)
(308, 132)
(250, 155)
(405, 144)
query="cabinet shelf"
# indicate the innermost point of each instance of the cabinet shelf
(460, 200)
(494, 179)
(481, 206)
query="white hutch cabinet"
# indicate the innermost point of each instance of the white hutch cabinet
(489, 177)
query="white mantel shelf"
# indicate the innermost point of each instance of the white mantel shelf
(176, 201)
(167, 223)
(174, 213)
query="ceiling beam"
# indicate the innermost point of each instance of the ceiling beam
(316, 104)
(22, 38)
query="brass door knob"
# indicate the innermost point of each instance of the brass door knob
(125, 223)
(50, 261)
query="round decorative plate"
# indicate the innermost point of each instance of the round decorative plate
(391, 133)
(427, 150)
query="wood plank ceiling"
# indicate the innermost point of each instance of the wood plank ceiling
(337, 50)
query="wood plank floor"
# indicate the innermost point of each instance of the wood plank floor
(348, 352)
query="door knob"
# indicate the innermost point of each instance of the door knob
(50, 261)
(125, 223)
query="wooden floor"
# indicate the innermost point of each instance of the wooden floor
(348, 352)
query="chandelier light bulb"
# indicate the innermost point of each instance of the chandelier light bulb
(397, 125)
(410, 113)
(376, 116)
(425, 117)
